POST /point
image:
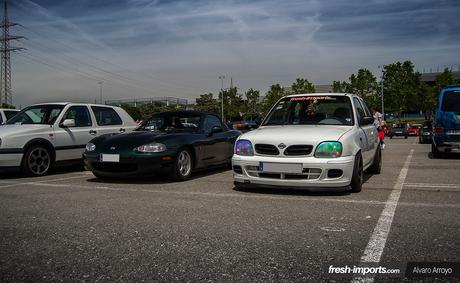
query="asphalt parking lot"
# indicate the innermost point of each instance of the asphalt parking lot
(69, 226)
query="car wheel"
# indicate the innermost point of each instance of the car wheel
(377, 165)
(37, 161)
(435, 153)
(405, 137)
(358, 175)
(391, 137)
(182, 169)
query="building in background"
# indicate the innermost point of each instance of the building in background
(137, 102)
(430, 78)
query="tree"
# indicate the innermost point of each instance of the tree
(402, 87)
(233, 103)
(252, 105)
(273, 95)
(302, 86)
(7, 106)
(134, 112)
(338, 86)
(206, 102)
(363, 84)
(148, 109)
(442, 80)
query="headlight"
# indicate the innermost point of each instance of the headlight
(244, 147)
(329, 150)
(151, 147)
(90, 146)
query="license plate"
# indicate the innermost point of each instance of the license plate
(110, 157)
(398, 132)
(295, 168)
(453, 132)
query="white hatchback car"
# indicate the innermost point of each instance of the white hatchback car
(313, 141)
(43, 134)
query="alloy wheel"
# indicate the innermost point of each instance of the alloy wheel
(184, 163)
(39, 161)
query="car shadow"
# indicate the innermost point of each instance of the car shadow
(62, 169)
(298, 192)
(157, 179)
(454, 156)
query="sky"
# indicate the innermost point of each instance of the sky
(156, 48)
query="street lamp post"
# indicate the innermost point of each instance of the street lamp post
(381, 82)
(100, 92)
(222, 77)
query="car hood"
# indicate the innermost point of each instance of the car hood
(11, 130)
(296, 134)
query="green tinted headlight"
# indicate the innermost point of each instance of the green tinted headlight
(329, 150)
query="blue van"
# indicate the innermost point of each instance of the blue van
(446, 134)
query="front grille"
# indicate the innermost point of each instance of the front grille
(114, 167)
(298, 149)
(307, 174)
(266, 149)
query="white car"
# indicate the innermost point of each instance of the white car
(313, 141)
(43, 134)
(6, 114)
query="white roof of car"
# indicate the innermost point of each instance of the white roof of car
(76, 103)
(321, 93)
(9, 109)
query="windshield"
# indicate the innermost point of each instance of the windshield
(39, 114)
(311, 110)
(451, 101)
(171, 122)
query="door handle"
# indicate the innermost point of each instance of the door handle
(92, 132)
(122, 130)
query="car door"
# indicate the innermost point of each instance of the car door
(70, 141)
(369, 132)
(215, 143)
(107, 121)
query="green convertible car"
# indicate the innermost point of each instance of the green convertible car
(175, 143)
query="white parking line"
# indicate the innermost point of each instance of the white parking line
(13, 184)
(376, 244)
(429, 185)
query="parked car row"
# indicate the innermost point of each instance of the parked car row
(311, 141)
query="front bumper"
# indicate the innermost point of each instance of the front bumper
(314, 174)
(128, 166)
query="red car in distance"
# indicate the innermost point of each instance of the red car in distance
(414, 130)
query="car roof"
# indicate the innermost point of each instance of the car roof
(9, 109)
(322, 94)
(72, 103)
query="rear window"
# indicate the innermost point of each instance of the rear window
(106, 116)
(451, 101)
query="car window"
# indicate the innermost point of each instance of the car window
(359, 108)
(311, 110)
(210, 122)
(39, 114)
(80, 114)
(106, 116)
(171, 122)
(451, 101)
(9, 114)
(1, 118)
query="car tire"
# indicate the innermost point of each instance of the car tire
(377, 165)
(435, 153)
(391, 137)
(405, 137)
(358, 175)
(37, 161)
(183, 165)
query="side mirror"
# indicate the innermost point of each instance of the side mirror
(367, 120)
(67, 123)
(216, 129)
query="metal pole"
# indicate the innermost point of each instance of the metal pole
(381, 82)
(222, 92)
(100, 92)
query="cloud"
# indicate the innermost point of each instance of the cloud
(178, 48)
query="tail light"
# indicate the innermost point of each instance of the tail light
(439, 130)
